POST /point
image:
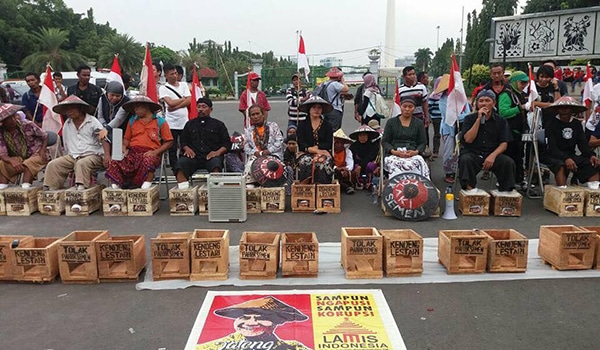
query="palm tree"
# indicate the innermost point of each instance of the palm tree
(190, 57)
(131, 53)
(50, 41)
(423, 58)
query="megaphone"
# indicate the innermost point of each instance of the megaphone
(449, 213)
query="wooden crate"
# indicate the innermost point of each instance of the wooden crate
(90, 200)
(37, 260)
(463, 251)
(209, 251)
(2, 204)
(565, 202)
(272, 199)
(592, 202)
(507, 251)
(171, 256)
(121, 258)
(477, 204)
(403, 253)
(203, 200)
(259, 255)
(21, 201)
(142, 202)
(328, 198)
(505, 204)
(112, 196)
(299, 254)
(596, 229)
(51, 202)
(303, 197)
(7, 258)
(567, 247)
(362, 252)
(77, 258)
(183, 202)
(253, 200)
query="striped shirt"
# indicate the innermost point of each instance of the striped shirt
(291, 95)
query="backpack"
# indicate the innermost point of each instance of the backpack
(321, 91)
(160, 120)
(379, 106)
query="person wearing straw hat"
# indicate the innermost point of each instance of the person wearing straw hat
(146, 138)
(364, 153)
(255, 323)
(565, 136)
(315, 142)
(22, 147)
(343, 160)
(86, 154)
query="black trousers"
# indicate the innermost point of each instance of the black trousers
(516, 153)
(470, 164)
(173, 151)
(189, 165)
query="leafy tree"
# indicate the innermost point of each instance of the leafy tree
(50, 41)
(188, 59)
(423, 59)
(164, 54)
(131, 53)
(475, 75)
(441, 61)
(533, 6)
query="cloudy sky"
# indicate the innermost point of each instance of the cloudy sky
(345, 29)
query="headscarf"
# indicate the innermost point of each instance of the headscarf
(436, 97)
(371, 83)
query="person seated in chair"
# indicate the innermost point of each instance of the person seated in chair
(484, 137)
(146, 138)
(564, 134)
(22, 147)
(204, 142)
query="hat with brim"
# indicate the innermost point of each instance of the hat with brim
(270, 307)
(364, 129)
(129, 106)
(443, 84)
(73, 101)
(341, 135)
(306, 105)
(8, 109)
(566, 101)
(335, 72)
(254, 76)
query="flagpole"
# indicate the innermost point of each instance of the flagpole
(298, 34)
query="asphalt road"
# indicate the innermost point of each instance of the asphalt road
(534, 314)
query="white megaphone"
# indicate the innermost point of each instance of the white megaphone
(449, 213)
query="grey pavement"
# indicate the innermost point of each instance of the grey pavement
(522, 314)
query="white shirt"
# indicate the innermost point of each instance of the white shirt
(177, 118)
(83, 141)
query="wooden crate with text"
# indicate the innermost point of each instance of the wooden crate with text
(2, 204)
(21, 201)
(77, 259)
(403, 253)
(596, 229)
(567, 247)
(36, 260)
(362, 252)
(303, 197)
(203, 200)
(7, 258)
(89, 199)
(299, 254)
(272, 199)
(114, 202)
(474, 204)
(253, 200)
(565, 202)
(142, 202)
(505, 204)
(209, 251)
(183, 202)
(51, 202)
(259, 255)
(121, 258)
(171, 256)
(328, 198)
(592, 202)
(463, 251)
(507, 252)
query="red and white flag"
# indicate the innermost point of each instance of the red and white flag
(51, 120)
(396, 108)
(302, 59)
(196, 92)
(588, 88)
(532, 88)
(115, 72)
(147, 82)
(457, 99)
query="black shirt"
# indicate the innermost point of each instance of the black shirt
(204, 135)
(563, 138)
(306, 139)
(90, 95)
(491, 134)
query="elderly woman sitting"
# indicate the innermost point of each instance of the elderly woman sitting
(404, 142)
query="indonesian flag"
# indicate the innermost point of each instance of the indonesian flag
(51, 121)
(533, 93)
(396, 108)
(457, 99)
(302, 59)
(588, 88)
(147, 82)
(196, 93)
(115, 72)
